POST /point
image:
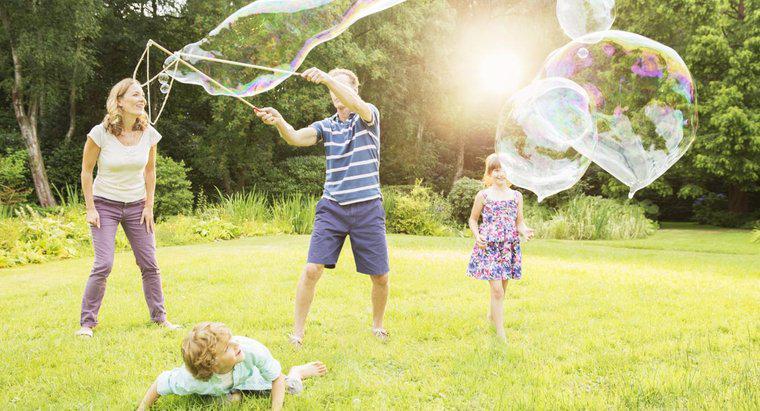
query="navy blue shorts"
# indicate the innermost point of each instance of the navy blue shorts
(363, 222)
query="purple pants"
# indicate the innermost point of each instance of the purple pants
(143, 246)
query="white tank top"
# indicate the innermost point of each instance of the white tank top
(121, 169)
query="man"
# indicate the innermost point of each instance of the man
(351, 203)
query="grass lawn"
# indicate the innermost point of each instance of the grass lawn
(672, 321)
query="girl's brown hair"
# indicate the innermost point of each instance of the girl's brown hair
(113, 122)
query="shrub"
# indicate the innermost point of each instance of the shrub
(461, 197)
(173, 195)
(594, 218)
(712, 209)
(244, 206)
(13, 185)
(419, 211)
(294, 214)
(756, 233)
(304, 175)
(208, 226)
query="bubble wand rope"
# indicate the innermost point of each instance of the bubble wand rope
(191, 67)
(237, 63)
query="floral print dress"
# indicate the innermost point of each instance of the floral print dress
(501, 259)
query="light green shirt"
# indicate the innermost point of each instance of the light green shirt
(255, 372)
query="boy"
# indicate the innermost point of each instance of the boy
(220, 364)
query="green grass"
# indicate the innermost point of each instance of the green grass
(672, 321)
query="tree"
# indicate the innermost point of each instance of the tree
(726, 62)
(44, 62)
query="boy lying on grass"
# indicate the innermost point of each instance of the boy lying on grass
(220, 364)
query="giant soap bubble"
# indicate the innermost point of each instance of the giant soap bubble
(269, 34)
(643, 103)
(537, 127)
(580, 17)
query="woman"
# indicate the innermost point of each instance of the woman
(124, 147)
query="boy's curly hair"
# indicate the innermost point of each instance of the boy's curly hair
(199, 348)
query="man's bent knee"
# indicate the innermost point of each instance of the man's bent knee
(313, 272)
(381, 280)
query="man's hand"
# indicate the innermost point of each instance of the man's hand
(269, 116)
(316, 75)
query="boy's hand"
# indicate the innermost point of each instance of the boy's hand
(268, 115)
(316, 75)
(235, 397)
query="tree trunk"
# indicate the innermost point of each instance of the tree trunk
(36, 165)
(738, 200)
(72, 113)
(26, 116)
(460, 160)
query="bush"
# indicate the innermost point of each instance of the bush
(13, 183)
(712, 209)
(462, 196)
(419, 211)
(304, 175)
(208, 226)
(593, 218)
(294, 214)
(173, 195)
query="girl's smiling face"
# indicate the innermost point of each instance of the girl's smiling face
(499, 177)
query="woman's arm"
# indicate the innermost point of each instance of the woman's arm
(278, 393)
(150, 191)
(89, 158)
(477, 208)
(150, 397)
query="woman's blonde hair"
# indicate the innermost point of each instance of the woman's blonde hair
(348, 73)
(113, 121)
(492, 163)
(199, 348)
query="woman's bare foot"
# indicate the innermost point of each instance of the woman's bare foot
(84, 332)
(312, 369)
(168, 325)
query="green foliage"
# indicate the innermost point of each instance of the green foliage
(462, 196)
(244, 206)
(418, 211)
(294, 214)
(712, 209)
(34, 237)
(303, 175)
(13, 183)
(173, 195)
(756, 233)
(592, 218)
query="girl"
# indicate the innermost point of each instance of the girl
(496, 256)
(124, 148)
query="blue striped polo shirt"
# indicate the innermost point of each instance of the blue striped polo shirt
(352, 153)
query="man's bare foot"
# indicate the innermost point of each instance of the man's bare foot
(312, 369)
(84, 332)
(170, 326)
(501, 337)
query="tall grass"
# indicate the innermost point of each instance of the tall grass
(70, 197)
(6, 211)
(594, 218)
(294, 214)
(244, 206)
